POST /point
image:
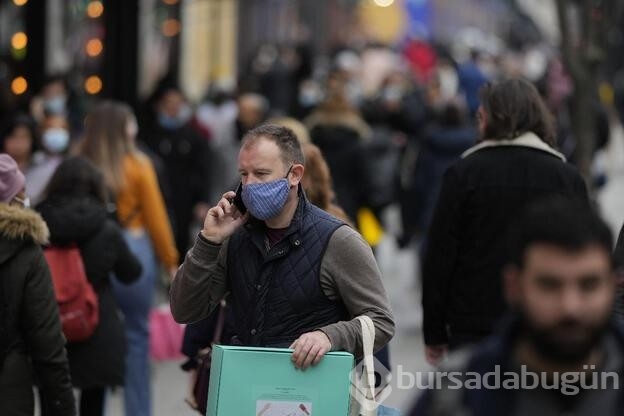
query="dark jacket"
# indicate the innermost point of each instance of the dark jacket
(82, 220)
(496, 355)
(276, 294)
(342, 142)
(480, 197)
(442, 146)
(30, 329)
(187, 159)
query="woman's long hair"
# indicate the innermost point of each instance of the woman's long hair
(106, 142)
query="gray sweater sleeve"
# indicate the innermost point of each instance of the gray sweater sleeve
(349, 272)
(200, 283)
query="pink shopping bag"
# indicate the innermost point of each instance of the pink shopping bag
(165, 335)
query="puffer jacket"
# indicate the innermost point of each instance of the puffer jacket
(30, 329)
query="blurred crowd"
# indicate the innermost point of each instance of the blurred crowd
(382, 126)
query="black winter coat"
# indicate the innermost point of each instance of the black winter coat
(30, 329)
(82, 220)
(479, 199)
(187, 159)
(342, 142)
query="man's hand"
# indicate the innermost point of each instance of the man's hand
(310, 349)
(435, 353)
(222, 220)
(200, 210)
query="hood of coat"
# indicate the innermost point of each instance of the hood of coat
(18, 226)
(72, 219)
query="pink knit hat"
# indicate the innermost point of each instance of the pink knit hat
(11, 179)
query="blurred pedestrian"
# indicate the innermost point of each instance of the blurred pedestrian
(444, 141)
(56, 98)
(55, 143)
(559, 351)
(109, 142)
(217, 115)
(513, 164)
(252, 111)
(31, 338)
(340, 132)
(187, 159)
(317, 183)
(75, 211)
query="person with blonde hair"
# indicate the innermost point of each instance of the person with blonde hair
(109, 142)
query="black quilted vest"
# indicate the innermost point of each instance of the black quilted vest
(276, 296)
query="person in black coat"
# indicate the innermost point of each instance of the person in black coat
(31, 338)
(443, 143)
(75, 212)
(514, 164)
(187, 159)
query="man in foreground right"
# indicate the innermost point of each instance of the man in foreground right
(560, 352)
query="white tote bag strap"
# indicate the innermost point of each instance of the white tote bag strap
(369, 407)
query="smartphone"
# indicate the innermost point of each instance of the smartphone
(238, 199)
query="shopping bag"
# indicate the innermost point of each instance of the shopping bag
(166, 335)
(369, 405)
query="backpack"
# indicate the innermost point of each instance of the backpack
(77, 301)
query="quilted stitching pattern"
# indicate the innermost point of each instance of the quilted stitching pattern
(281, 298)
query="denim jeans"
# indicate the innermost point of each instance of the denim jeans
(135, 301)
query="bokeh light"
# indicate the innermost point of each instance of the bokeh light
(19, 85)
(94, 47)
(19, 40)
(383, 3)
(95, 9)
(170, 27)
(93, 85)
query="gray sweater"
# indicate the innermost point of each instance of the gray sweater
(349, 273)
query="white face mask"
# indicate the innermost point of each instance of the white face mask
(55, 140)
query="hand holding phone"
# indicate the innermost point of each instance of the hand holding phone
(223, 219)
(238, 199)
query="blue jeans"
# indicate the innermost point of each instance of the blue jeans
(135, 301)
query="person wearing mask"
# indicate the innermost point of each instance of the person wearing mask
(56, 99)
(31, 338)
(341, 134)
(513, 164)
(55, 143)
(110, 143)
(186, 157)
(262, 250)
(560, 285)
(75, 211)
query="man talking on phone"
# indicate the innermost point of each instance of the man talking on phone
(295, 276)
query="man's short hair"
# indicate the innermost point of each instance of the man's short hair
(283, 137)
(563, 222)
(514, 107)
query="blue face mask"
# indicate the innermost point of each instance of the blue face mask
(169, 123)
(55, 105)
(55, 140)
(266, 200)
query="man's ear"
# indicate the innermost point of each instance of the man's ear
(296, 173)
(511, 275)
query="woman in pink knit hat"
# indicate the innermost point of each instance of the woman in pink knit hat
(30, 329)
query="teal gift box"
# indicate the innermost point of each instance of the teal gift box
(247, 381)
